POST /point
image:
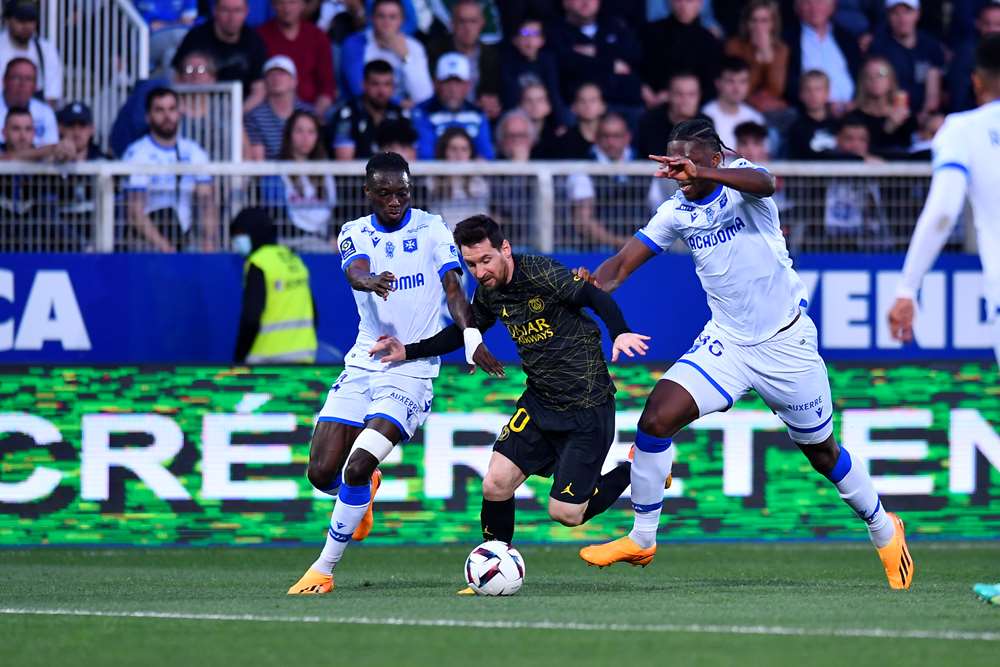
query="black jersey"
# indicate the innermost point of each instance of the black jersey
(559, 345)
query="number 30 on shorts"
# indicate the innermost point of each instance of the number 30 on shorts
(519, 420)
(715, 347)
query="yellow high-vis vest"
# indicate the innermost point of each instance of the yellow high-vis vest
(286, 331)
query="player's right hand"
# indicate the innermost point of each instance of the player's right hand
(381, 284)
(583, 273)
(901, 320)
(485, 360)
(391, 349)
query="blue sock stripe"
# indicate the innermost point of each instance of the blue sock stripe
(339, 537)
(355, 495)
(642, 509)
(651, 444)
(841, 468)
(878, 506)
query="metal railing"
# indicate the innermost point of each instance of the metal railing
(212, 116)
(104, 45)
(542, 206)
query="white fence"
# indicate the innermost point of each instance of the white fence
(543, 206)
(212, 115)
(104, 45)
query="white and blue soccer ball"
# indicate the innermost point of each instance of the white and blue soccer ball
(493, 568)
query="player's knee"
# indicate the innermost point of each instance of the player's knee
(495, 489)
(658, 423)
(321, 474)
(359, 468)
(567, 515)
(822, 455)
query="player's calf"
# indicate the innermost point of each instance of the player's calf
(568, 514)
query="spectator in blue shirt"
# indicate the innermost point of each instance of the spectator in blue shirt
(169, 21)
(916, 56)
(450, 108)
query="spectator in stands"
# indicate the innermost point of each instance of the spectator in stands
(19, 85)
(524, 62)
(675, 44)
(656, 124)
(76, 126)
(20, 39)
(77, 198)
(354, 124)
(916, 57)
(814, 131)
(449, 107)
(305, 203)
(588, 108)
(397, 136)
(729, 108)
(19, 137)
(264, 125)
(467, 22)
(238, 51)
(168, 21)
(959, 79)
(608, 209)
(589, 47)
(386, 41)
(289, 34)
(516, 135)
(854, 213)
(884, 108)
(759, 43)
(512, 197)
(26, 201)
(548, 130)
(751, 142)
(815, 42)
(349, 17)
(455, 198)
(161, 207)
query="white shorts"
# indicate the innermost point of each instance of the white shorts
(359, 395)
(786, 371)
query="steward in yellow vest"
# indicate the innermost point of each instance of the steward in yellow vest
(278, 318)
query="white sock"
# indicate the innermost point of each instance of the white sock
(352, 503)
(649, 473)
(856, 488)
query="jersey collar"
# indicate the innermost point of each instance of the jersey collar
(402, 223)
(708, 199)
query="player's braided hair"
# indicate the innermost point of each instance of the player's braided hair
(391, 162)
(702, 130)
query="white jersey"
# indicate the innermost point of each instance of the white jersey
(418, 254)
(970, 142)
(167, 191)
(740, 257)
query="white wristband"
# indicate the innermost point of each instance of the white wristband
(473, 339)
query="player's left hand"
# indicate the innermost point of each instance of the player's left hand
(901, 320)
(679, 169)
(583, 273)
(629, 343)
(391, 349)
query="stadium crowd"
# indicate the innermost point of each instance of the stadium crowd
(514, 80)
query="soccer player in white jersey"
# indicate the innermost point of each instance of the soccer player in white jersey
(966, 160)
(759, 338)
(397, 262)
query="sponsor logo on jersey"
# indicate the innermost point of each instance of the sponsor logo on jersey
(568, 491)
(409, 245)
(536, 304)
(723, 201)
(412, 407)
(408, 282)
(712, 239)
(802, 407)
(390, 249)
(347, 248)
(685, 207)
(535, 331)
(375, 240)
(454, 251)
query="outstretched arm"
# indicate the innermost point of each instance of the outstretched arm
(613, 271)
(607, 309)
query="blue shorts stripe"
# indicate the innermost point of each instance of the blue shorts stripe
(812, 429)
(390, 418)
(725, 394)
(648, 242)
(642, 509)
(341, 420)
(841, 467)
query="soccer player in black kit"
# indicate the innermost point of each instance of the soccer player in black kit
(564, 423)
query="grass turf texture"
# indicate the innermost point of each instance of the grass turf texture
(819, 588)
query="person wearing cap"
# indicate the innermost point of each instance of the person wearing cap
(450, 108)
(19, 78)
(916, 56)
(20, 39)
(815, 42)
(265, 123)
(289, 34)
(278, 315)
(385, 40)
(76, 124)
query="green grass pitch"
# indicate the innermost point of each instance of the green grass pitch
(698, 604)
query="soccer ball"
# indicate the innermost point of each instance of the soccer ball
(493, 568)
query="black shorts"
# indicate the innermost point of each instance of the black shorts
(568, 445)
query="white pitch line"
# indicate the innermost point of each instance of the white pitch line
(774, 630)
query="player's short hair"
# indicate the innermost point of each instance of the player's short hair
(16, 111)
(988, 55)
(392, 163)
(701, 130)
(157, 93)
(750, 130)
(733, 65)
(377, 66)
(477, 229)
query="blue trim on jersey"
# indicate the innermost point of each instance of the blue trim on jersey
(449, 267)
(708, 199)
(648, 242)
(954, 165)
(347, 262)
(725, 394)
(642, 509)
(841, 467)
(390, 418)
(808, 430)
(402, 223)
(356, 496)
(650, 444)
(803, 303)
(340, 420)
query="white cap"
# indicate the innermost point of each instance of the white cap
(453, 66)
(912, 4)
(283, 63)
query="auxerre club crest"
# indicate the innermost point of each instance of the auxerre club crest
(390, 249)
(536, 304)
